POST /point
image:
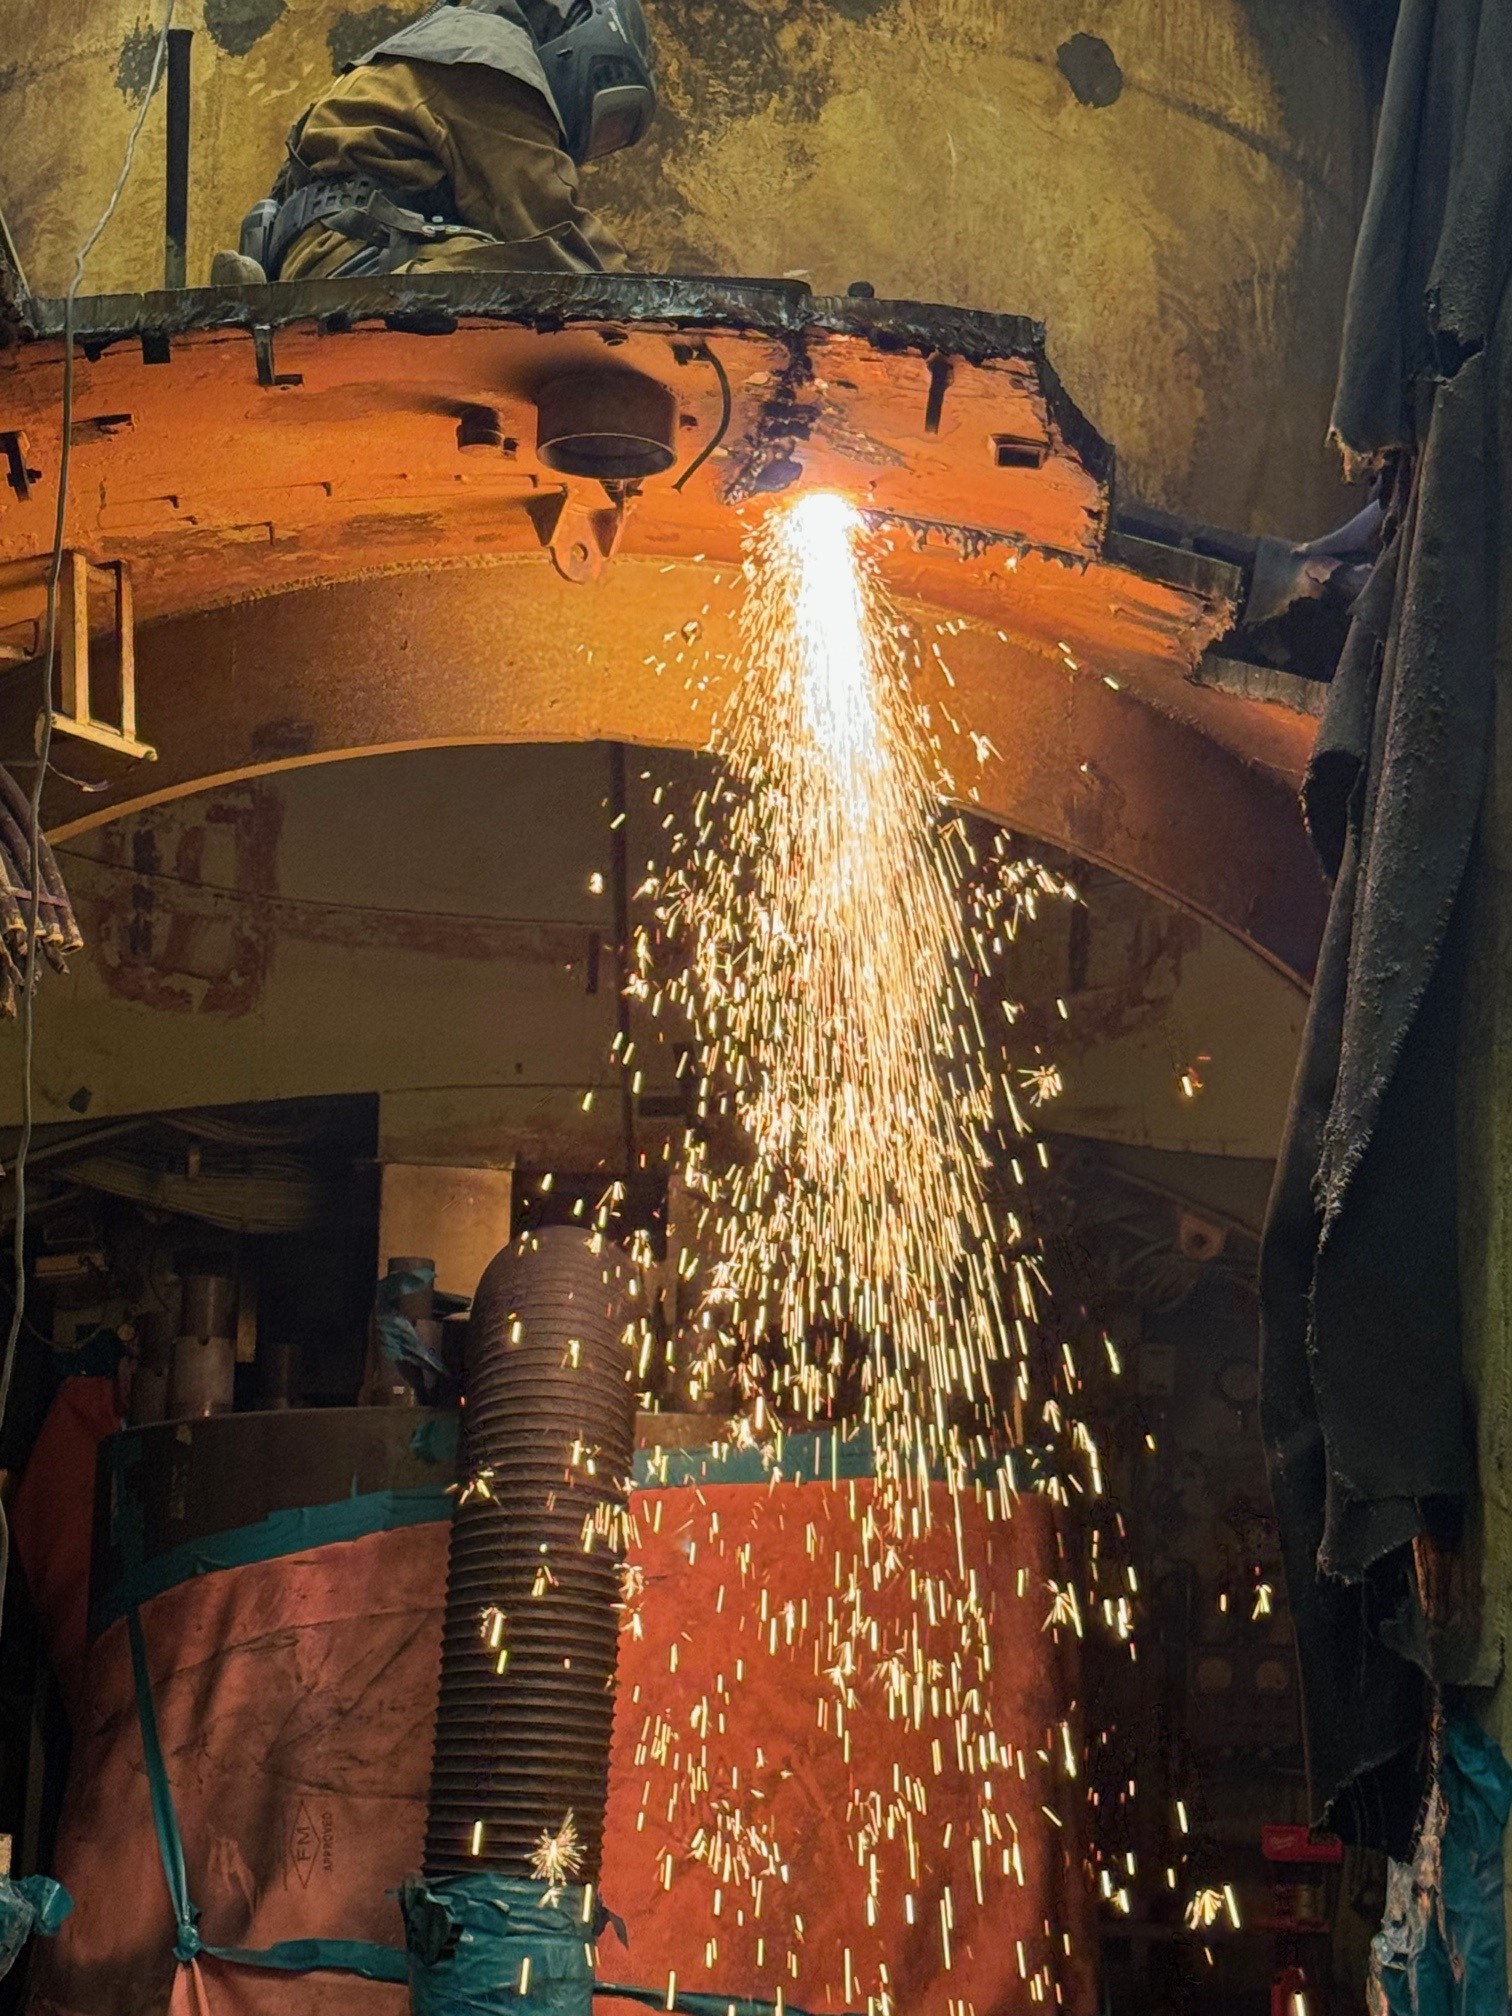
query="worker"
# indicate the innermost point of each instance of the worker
(454, 145)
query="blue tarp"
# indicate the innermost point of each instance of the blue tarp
(488, 1944)
(34, 1904)
(1442, 1950)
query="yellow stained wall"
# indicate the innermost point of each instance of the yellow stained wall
(1187, 243)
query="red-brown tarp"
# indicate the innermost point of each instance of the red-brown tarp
(295, 1700)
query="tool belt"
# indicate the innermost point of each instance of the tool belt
(389, 233)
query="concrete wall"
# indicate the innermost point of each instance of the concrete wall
(1174, 193)
(424, 927)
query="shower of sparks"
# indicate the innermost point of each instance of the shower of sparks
(1043, 1082)
(557, 1858)
(1204, 1909)
(829, 978)
(1209, 1904)
(862, 1243)
(830, 933)
(610, 1526)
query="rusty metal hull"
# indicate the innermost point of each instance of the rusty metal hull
(320, 570)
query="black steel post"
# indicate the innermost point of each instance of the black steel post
(176, 195)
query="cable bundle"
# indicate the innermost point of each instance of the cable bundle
(57, 928)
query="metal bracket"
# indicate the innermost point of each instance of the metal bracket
(580, 540)
(16, 450)
(268, 375)
(941, 371)
(74, 714)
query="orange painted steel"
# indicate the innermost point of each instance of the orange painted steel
(321, 569)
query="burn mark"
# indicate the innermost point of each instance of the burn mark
(159, 937)
(160, 928)
(352, 35)
(399, 528)
(1091, 69)
(237, 26)
(786, 418)
(837, 430)
(1117, 957)
(780, 53)
(134, 69)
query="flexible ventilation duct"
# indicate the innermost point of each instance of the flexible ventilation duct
(533, 1579)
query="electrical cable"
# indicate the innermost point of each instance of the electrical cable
(727, 407)
(44, 749)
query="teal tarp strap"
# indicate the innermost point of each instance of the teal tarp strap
(300, 1956)
(488, 1944)
(822, 1457)
(812, 1457)
(291, 1532)
(164, 1819)
(320, 1956)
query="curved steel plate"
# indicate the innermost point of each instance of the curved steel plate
(321, 569)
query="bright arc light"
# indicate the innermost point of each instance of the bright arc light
(816, 540)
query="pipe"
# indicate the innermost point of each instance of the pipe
(548, 1437)
(176, 193)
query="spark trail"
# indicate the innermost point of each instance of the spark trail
(820, 907)
(833, 934)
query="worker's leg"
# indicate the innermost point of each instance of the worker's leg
(566, 252)
(320, 253)
(509, 175)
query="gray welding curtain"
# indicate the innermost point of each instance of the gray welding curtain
(1363, 1391)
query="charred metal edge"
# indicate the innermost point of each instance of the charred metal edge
(1263, 683)
(1176, 565)
(436, 304)
(432, 304)
(439, 302)
(1154, 544)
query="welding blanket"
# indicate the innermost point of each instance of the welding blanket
(1364, 1391)
(294, 1698)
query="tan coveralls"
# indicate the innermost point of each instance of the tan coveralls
(488, 137)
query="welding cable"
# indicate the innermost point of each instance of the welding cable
(44, 750)
(727, 407)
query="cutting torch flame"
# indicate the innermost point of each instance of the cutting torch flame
(816, 540)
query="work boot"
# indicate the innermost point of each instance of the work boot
(235, 269)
